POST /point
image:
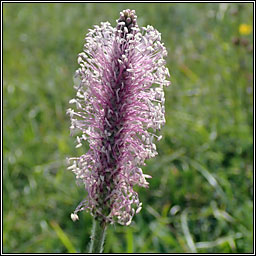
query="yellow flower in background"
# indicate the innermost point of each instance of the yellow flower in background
(245, 29)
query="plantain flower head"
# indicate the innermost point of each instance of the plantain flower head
(119, 106)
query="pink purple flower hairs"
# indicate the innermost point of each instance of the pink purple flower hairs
(119, 106)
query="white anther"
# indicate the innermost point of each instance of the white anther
(74, 217)
(138, 210)
(79, 145)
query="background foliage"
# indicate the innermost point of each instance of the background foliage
(200, 196)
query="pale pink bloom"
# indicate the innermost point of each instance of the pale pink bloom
(119, 106)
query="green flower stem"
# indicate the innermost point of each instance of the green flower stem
(98, 236)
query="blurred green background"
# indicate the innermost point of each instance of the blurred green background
(201, 195)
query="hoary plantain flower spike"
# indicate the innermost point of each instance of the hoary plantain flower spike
(119, 107)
